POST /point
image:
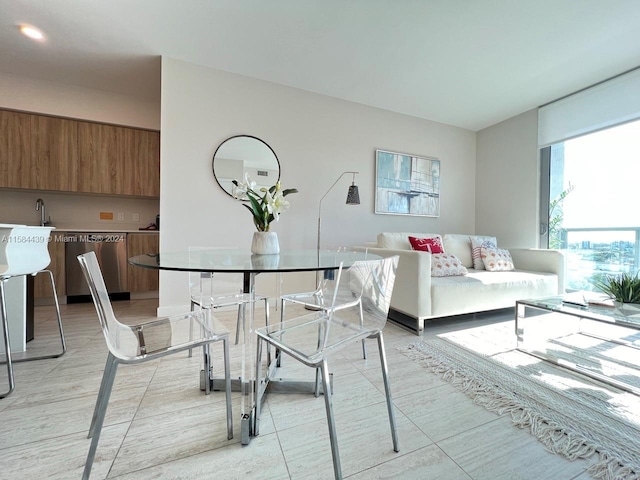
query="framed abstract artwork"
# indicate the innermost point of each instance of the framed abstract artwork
(407, 184)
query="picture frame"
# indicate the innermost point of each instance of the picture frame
(407, 184)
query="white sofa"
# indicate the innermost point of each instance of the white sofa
(417, 296)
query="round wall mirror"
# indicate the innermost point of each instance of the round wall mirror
(244, 154)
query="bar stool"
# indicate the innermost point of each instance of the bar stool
(24, 251)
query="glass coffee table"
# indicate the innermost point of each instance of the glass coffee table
(598, 341)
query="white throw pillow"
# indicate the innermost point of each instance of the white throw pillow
(477, 242)
(497, 259)
(446, 265)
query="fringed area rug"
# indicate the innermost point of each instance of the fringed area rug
(571, 415)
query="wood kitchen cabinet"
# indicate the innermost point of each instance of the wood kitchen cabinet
(15, 144)
(42, 283)
(40, 152)
(54, 154)
(142, 279)
(118, 160)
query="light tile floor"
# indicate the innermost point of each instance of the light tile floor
(160, 425)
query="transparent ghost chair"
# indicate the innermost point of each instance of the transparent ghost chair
(311, 339)
(208, 290)
(322, 297)
(143, 342)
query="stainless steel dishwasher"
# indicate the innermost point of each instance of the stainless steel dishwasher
(111, 251)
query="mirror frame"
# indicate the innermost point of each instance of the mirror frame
(213, 160)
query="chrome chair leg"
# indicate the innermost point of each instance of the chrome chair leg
(387, 391)
(63, 342)
(364, 344)
(227, 381)
(206, 349)
(7, 346)
(328, 402)
(105, 393)
(101, 401)
(58, 317)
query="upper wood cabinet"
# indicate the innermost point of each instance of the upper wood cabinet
(54, 154)
(15, 145)
(39, 152)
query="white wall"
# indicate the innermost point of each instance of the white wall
(316, 138)
(507, 179)
(39, 96)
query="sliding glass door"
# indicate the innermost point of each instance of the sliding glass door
(590, 203)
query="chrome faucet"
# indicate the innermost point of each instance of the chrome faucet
(43, 216)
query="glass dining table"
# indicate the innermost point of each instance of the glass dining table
(250, 265)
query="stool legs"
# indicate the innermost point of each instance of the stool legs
(5, 329)
(7, 347)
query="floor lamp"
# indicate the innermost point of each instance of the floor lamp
(353, 198)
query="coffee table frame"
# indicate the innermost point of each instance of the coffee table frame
(525, 309)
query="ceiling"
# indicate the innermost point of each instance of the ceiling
(468, 63)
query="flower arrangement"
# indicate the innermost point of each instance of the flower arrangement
(265, 206)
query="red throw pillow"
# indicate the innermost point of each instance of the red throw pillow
(431, 245)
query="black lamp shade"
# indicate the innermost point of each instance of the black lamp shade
(353, 195)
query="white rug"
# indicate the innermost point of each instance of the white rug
(571, 415)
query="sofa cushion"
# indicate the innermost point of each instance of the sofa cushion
(477, 242)
(446, 265)
(496, 259)
(431, 245)
(460, 246)
(400, 240)
(481, 290)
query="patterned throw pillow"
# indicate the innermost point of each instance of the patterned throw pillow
(431, 245)
(446, 265)
(476, 245)
(497, 259)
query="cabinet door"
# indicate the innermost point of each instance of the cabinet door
(142, 279)
(15, 148)
(54, 154)
(99, 158)
(144, 155)
(42, 283)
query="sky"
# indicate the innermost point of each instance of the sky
(604, 168)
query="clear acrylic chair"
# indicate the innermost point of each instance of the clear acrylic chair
(311, 339)
(221, 290)
(143, 342)
(322, 297)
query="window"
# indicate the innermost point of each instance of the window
(592, 183)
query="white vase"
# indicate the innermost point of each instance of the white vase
(265, 243)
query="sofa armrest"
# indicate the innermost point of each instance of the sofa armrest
(412, 289)
(541, 260)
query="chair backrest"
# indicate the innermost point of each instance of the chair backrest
(23, 249)
(121, 339)
(204, 286)
(372, 281)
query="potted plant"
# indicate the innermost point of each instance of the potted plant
(624, 289)
(265, 207)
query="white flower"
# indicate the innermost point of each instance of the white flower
(240, 189)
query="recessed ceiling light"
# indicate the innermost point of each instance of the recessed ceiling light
(31, 32)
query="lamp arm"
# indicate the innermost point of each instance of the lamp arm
(320, 208)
